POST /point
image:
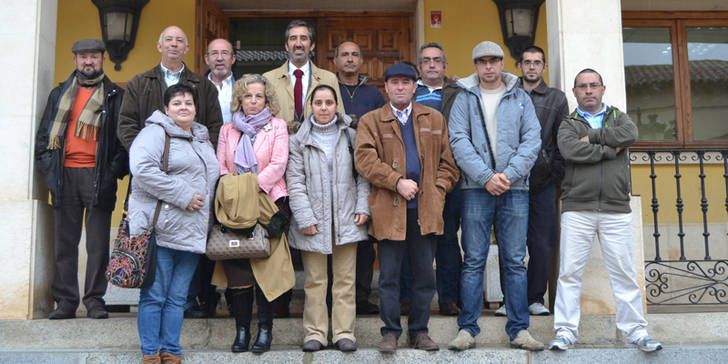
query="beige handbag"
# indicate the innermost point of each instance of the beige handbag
(224, 243)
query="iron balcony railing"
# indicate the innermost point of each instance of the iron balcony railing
(695, 277)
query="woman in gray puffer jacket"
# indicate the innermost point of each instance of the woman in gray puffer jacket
(330, 210)
(186, 191)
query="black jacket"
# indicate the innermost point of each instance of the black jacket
(551, 109)
(112, 160)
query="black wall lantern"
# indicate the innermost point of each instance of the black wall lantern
(518, 22)
(119, 23)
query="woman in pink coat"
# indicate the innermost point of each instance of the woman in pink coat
(256, 142)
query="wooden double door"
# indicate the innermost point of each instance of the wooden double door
(384, 38)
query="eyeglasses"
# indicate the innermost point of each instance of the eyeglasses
(535, 64)
(216, 53)
(436, 60)
(584, 86)
(491, 61)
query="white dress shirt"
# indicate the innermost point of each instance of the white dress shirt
(224, 96)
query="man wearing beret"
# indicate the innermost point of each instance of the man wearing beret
(77, 151)
(402, 149)
(495, 137)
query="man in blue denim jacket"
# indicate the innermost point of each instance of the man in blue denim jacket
(495, 136)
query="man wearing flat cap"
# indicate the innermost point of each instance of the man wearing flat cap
(402, 148)
(77, 151)
(495, 137)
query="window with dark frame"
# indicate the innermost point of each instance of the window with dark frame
(676, 77)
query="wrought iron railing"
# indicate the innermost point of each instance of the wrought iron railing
(693, 278)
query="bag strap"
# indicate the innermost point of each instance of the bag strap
(165, 158)
(351, 151)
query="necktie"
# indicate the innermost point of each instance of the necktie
(298, 94)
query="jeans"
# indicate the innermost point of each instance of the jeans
(509, 214)
(421, 252)
(578, 229)
(161, 306)
(447, 257)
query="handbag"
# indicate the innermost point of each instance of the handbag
(133, 261)
(224, 243)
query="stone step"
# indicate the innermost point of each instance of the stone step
(120, 333)
(480, 355)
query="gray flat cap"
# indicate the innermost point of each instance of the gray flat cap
(487, 49)
(85, 45)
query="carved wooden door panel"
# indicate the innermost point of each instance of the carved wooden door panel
(212, 23)
(384, 40)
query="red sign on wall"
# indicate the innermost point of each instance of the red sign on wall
(436, 19)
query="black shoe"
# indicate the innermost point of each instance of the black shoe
(366, 308)
(262, 343)
(345, 345)
(195, 312)
(242, 340)
(97, 312)
(60, 314)
(311, 346)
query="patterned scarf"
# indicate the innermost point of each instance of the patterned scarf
(249, 125)
(87, 126)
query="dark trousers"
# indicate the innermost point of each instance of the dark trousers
(540, 240)
(448, 257)
(365, 256)
(78, 194)
(421, 252)
(201, 291)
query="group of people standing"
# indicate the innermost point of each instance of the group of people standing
(348, 168)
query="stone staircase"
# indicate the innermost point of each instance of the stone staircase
(688, 338)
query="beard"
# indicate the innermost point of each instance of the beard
(83, 75)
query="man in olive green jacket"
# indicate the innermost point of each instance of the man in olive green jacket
(595, 200)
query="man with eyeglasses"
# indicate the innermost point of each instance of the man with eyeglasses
(220, 58)
(551, 108)
(437, 91)
(595, 200)
(495, 137)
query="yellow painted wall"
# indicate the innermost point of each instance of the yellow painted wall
(689, 189)
(467, 23)
(78, 19)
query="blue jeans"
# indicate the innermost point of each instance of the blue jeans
(161, 306)
(447, 257)
(509, 214)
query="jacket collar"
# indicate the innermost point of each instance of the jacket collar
(541, 89)
(156, 73)
(387, 116)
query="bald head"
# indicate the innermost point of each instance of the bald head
(219, 59)
(173, 45)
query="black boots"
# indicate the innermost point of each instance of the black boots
(265, 323)
(241, 305)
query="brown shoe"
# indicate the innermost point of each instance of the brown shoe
(423, 342)
(169, 358)
(404, 308)
(449, 309)
(151, 359)
(388, 344)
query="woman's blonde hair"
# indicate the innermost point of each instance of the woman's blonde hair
(241, 87)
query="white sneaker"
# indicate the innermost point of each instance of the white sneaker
(501, 311)
(560, 342)
(538, 309)
(462, 341)
(647, 344)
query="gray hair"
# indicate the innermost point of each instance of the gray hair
(431, 45)
(300, 23)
